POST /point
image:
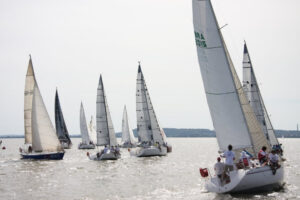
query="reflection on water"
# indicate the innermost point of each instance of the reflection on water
(175, 176)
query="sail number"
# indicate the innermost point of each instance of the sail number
(200, 40)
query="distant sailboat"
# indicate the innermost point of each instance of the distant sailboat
(86, 142)
(151, 137)
(128, 140)
(255, 99)
(105, 130)
(61, 128)
(233, 118)
(92, 131)
(41, 141)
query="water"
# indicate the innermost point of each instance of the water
(175, 176)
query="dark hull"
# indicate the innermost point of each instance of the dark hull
(45, 156)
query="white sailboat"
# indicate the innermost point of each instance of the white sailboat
(255, 99)
(128, 140)
(41, 141)
(233, 118)
(86, 142)
(151, 136)
(105, 130)
(61, 128)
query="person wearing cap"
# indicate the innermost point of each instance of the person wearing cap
(219, 169)
(273, 161)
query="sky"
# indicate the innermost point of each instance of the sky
(72, 42)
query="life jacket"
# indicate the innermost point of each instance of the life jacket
(245, 161)
(260, 156)
(204, 172)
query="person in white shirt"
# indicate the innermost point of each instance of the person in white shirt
(244, 159)
(219, 169)
(273, 161)
(230, 157)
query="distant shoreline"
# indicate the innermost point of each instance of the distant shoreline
(181, 133)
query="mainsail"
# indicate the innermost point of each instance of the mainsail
(105, 130)
(61, 128)
(127, 134)
(233, 118)
(255, 99)
(44, 137)
(147, 125)
(83, 127)
(28, 96)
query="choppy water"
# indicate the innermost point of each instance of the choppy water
(175, 176)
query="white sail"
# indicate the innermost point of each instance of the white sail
(44, 137)
(127, 133)
(253, 94)
(147, 125)
(92, 130)
(233, 118)
(83, 127)
(105, 130)
(28, 96)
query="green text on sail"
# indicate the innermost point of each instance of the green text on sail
(200, 41)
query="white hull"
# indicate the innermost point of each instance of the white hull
(243, 180)
(106, 156)
(150, 151)
(86, 146)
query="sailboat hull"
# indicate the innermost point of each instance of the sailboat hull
(106, 156)
(43, 156)
(86, 146)
(256, 179)
(150, 151)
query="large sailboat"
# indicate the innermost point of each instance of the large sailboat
(41, 141)
(105, 130)
(255, 99)
(233, 118)
(86, 141)
(61, 128)
(150, 135)
(128, 140)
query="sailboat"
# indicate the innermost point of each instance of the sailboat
(233, 118)
(41, 141)
(105, 130)
(128, 140)
(61, 128)
(255, 99)
(86, 142)
(151, 138)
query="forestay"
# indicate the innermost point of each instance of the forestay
(83, 126)
(127, 134)
(28, 96)
(234, 121)
(253, 94)
(61, 128)
(148, 127)
(105, 130)
(44, 137)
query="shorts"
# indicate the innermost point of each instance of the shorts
(228, 168)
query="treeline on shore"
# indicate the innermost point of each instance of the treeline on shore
(182, 132)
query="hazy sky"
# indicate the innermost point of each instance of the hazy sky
(73, 41)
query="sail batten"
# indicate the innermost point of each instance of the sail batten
(232, 117)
